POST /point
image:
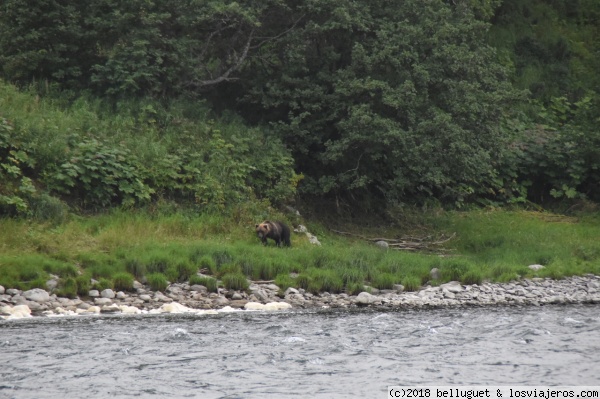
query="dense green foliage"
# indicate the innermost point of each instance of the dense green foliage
(95, 160)
(373, 103)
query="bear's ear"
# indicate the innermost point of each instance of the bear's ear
(267, 222)
(256, 227)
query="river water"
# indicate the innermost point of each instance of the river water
(306, 354)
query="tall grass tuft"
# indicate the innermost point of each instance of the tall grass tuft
(235, 281)
(411, 283)
(68, 288)
(157, 281)
(123, 281)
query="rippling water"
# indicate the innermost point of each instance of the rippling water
(326, 354)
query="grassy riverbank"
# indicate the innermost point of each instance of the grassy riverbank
(115, 248)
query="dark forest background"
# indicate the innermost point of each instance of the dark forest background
(363, 104)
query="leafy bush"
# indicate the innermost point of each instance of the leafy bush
(16, 187)
(99, 175)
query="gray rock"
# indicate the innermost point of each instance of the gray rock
(145, 297)
(198, 288)
(137, 285)
(220, 301)
(261, 295)
(19, 300)
(174, 289)
(448, 294)
(453, 287)
(313, 239)
(398, 287)
(1, 290)
(236, 296)
(93, 294)
(121, 295)
(36, 306)
(37, 295)
(113, 308)
(291, 290)
(238, 304)
(13, 291)
(272, 287)
(51, 284)
(536, 267)
(102, 301)
(364, 298)
(107, 293)
(435, 273)
(301, 229)
(159, 296)
(382, 244)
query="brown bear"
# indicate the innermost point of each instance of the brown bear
(277, 231)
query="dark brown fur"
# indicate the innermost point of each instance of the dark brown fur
(276, 231)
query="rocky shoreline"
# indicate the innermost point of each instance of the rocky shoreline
(181, 298)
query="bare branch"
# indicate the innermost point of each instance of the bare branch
(237, 60)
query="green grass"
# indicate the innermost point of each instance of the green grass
(489, 245)
(208, 282)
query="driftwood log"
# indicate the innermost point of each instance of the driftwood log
(426, 244)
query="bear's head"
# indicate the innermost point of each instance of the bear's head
(263, 229)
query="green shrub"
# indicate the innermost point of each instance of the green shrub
(472, 276)
(103, 284)
(185, 269)
(61, 269)
(507, 277)
(68, 288)
(354, 288)
(284, 281)
(123, 281)
(223, 257)
(325, 280)
(158, 264)
(235, 281)
(171, 274)
(384, 281)
(454, 269)
(135, 267)
(207, 262)
(157, 281)
(303, 280)
(411, 283)
(83, 285)
(100, 174)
